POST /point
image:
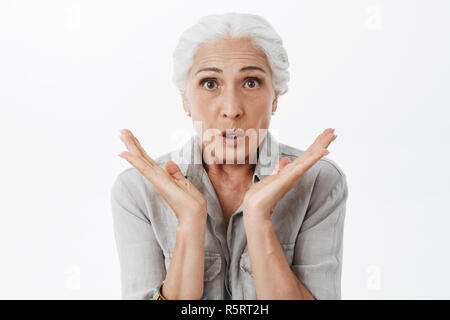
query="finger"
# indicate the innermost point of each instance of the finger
(319, 147)
(315, 151)
(144, 153)
(283, 163)
(328, 130)
(173, 169)
(325, 138)
(155, 174)
(130, 139)
(127, 138)
(136, 161)
(330, 137)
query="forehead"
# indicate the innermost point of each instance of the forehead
(229, 53)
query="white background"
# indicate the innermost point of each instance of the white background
(72, 73)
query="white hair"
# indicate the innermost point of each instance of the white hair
(232, 25)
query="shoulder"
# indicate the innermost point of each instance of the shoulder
(127, 186)
(131, 183)
(324, 183)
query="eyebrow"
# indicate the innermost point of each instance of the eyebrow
(242, 69)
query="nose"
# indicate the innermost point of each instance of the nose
(231, 106)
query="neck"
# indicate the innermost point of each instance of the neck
(233, 172)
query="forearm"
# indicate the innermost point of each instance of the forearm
(184, 279)
(272, 274)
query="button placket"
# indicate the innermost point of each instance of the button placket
(217, 222)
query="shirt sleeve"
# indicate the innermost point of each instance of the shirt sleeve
(140, 256)
(318, 251)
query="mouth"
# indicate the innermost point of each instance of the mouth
(231, 137)
(233, 133)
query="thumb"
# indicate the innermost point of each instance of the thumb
(283, 163)
(173, 169)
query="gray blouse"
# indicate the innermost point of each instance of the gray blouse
(308, 221)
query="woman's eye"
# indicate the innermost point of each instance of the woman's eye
(211, 84)
(208, 84)
(253, 82)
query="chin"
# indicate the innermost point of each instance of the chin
(234, 155)
(223, 152)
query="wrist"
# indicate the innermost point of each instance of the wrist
(192, 226)
(256, 221)
(256, 211)
(197, 220)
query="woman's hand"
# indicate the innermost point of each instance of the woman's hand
(186, 201)
(261, 199)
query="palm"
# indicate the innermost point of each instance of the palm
(265, 195)
(181, 195)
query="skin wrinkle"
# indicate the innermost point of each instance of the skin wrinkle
(256, 238)
(243, 69)
(229, 105)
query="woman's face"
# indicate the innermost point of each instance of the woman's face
(230, 87)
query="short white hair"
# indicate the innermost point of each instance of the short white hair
(231, 25)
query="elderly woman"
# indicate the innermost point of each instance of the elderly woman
(245, 217)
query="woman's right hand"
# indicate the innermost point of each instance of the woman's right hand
(186, 201)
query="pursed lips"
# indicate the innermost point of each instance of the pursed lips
(232, 133)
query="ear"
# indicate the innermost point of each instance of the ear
(186, 106)
(275, 102)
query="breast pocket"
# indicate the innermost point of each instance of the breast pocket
(248, 285)
(213, 264)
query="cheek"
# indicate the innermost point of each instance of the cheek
(264, 122)
(259, 112)
(204, 104)
(202, 111)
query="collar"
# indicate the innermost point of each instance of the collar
(189, 158)
(268, 156)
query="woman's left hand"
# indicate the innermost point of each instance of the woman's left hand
(261, 199)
